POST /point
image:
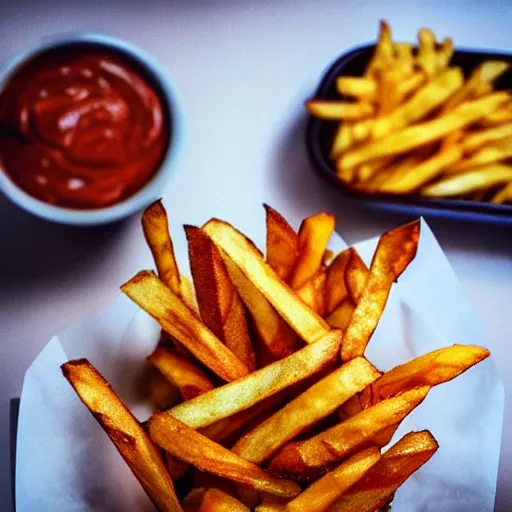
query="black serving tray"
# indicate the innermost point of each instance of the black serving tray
(319, 135)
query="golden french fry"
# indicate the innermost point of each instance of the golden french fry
(146, 290)
(483, 177)
(356, 274)
(483, 75)
(501, 116)
(219, 304)
(215, 500)
(424, 101)
(189, 378)
(395, 250)
(192, 447)
(388, 96)
(504, 195)
(411, 84)
(422, 133)
(336, 290)
(305, 322)
(377, 487)
(340, 110)
(282, 244)
(384, 52)
(307, 409)
(128, 436)
(340, 317)
(494, 152)
(275, 334)
(156, 230)
(426, 58)
(430, 369)
(444, 54)
(361, 88)
(314, 234)
(404, 59)
(239, 395)
(187, 293)
(320, 495)
(479, 139)
(313, 457)
(343, 139)
(408, 180)
(312, 292)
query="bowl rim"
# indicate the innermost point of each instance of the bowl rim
(151, 190)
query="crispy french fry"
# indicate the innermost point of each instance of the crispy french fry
(282, 244)
(336, 290)
(274, 333)
(430, 369)
(180, 322)
(190, 446)
(384, 51)
(395, 250)
(245, 392)
(422, 133)
(377, 487)
(343, 139)
(189, 378)
(219, 304)
(340, 317)
(504, 195)
(308, 408)
(312, 292)
(409, 180)
(313, 457)
(479, 139)
(156, 231)
(361, 88)
(426, 58)
(314, 234)
(215, 500)
(483, 75)
(444, 54)
(426, 99)
(411, 84)
(319, 496)
(483, 177)
(306, 323)
(340, 110)
(356, 275)
(495, 152)
(128, 436)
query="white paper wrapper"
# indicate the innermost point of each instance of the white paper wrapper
(66, 462)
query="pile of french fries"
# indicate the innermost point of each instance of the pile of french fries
(264, 398)
(413, 124)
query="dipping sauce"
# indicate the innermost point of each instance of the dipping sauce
(82, 127)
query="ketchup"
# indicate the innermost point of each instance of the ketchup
(81, 128)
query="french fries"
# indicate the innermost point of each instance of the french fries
(189, 378)
(394, 252)
(242, 431)
(125, 431)
(308, 408)
(304, 460)
(188, 445)
(180, 322)
(320, 495)
(378, 485)
(421, 101)
(219, 304)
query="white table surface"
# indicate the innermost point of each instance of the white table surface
(243, 69)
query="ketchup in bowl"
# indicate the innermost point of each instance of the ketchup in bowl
(82, 127)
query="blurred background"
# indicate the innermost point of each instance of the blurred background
(243, 70)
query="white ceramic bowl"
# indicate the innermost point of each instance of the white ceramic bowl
(147, 194)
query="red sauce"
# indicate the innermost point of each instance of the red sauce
(82, 128)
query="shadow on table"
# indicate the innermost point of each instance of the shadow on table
(299, 183)
(33, 251)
